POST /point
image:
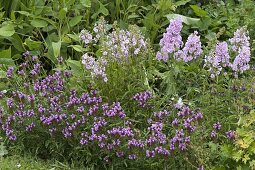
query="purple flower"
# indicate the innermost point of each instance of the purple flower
(171, 40)
(9, 72)
(213, 134)
(142, 97)
(230, 135)
(217, 126)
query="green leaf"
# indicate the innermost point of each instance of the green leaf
(186, 20)
(6, 53)
(3, 150)
(76, 66)
(17, 42)
(38, 23)
(74, 37)
(56, 48)
(102, 9)
(182, 2)
(2, 74)
(86, 3)
(33, 45)
(62, 13)
(75, 20)
(199, 11)
(7, 61)
(24, 13)
(78, 48)
(7, 30)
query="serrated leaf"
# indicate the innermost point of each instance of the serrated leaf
(7, 30)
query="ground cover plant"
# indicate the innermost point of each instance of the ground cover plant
(127, 85)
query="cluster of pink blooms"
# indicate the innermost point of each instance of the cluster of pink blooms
(220, 58)
(96, 67)
(172, 44)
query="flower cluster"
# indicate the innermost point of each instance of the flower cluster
(96, 67)
(216, 127)
(142, 98)
(191, 50)
(122, 44)
(172, 43)
(220, 58)
(171, 40)
(86, 37)
(84, 119)
(240, 44)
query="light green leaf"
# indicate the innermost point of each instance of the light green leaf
(76, 66)
(199, 11)
(24, 13)
(5, 53)
(62, 13)
(102, 9)
(7, 61)
(56, 48)
(39, 23)
(7, 30)
(182, 2)
(74, 37)
(186, 20)
(86, 3)
(3, 150)
(78, 48)
(75, 20)
(33, 45)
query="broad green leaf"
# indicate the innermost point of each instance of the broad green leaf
(62, 13)
(2, 74)
(17, 42)
(182, 2)
(6, 53)
(56, 48)
(102, 9)
(74, 37)
(76, 66)
(33, 45)
(78, 48)
(86, 3)
(7, 30)
(3, 150)
(39, 23)
(186, 20)
(199, 11)
(75, 20)
(24, 13)
(7, 61)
